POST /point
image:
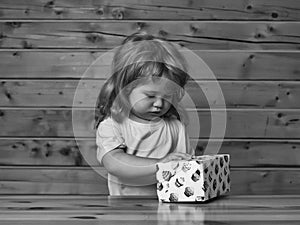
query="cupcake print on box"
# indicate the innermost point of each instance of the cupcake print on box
(199, 179)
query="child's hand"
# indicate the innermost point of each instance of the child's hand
(175, 156)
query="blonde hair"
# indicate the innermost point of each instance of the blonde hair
(141, 57)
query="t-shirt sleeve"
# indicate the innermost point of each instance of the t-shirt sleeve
(108, 138)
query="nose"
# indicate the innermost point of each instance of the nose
(158, 103)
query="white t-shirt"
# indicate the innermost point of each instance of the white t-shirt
(153, 140)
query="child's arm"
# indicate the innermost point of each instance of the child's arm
(126, 166)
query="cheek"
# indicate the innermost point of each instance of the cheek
(135, 100)
(141, 104)
(167, 104)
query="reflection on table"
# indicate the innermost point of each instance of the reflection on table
(135, 210)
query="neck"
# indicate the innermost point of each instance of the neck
(139, 119)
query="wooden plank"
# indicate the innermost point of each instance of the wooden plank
(134, 210)
(240, 123)
(237, 94)
(40, 180)
(161, 10)
(68, 152)
(86, 202)
(111, 209)
(279, 181)
(90, 219)
(107, 208)
(196, 35)
(49, 152)
(242, 65)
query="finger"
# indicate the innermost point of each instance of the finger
(184, 156)
(173, 158)
(180, 154)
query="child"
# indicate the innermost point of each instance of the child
(138, 120)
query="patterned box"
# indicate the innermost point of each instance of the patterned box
(199, 179)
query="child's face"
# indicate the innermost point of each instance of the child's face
(151, 100)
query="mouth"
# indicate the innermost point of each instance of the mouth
(155, 112)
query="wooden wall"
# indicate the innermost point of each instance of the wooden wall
(252, 46)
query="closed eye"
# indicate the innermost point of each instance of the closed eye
(150, 96)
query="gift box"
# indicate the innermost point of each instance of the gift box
(198, 179)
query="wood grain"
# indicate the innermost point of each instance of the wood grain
(237, 94)
(198, 35)
(45, 209)
(46, 47)
(240, 123)
(233, 65)
(68, 152)
(272, 209)
(161, 10)
(41, 180)
(45, 152)
(59, 180)
(98, 202)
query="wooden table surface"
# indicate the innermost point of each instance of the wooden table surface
(88, 210)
